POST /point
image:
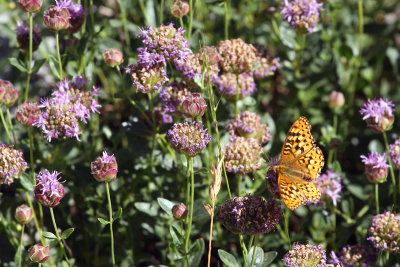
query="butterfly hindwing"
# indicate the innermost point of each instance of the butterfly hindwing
(311, 164)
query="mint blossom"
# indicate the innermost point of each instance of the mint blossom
(305, 255)
(302, 15)
(329, 184)
(48, 190)
(105, 168)
(378, 114)
(376, 167)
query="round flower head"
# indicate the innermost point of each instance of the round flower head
(28, 112)
(179, 8)
(302, 15)
(23, 214)
(242, 155)
(39, 253)
(394, 150)
(57, 18)
(147, 80)
(161, 117)
(179, 211)
(236, 56)
(330, 187)
(376, 168)
(385, 232)
(194, 105)
(336, 100)
(77, 14)
(379, 114)
(248, 124)
(271, 179)
(105, 168)
(32, 6)
(249, 215)
(188, 138)
(209, 55)
(305, 255)
(172, 96)
(354, 255)
(12, 164)
(48, 190)
(266, 64)
(8, 93)
(235, 87)
(113, 57)
(23, 36)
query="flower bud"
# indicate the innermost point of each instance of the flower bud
(8, 93)
(105, 168)
(39, 253)
(48, 191)
(23, 36)
(179, 9)
(57, 18)
(194, 105)
(336, 100)
(113, 57)
(31, 6)
(179, 211)
(23, 214)
(28, 113)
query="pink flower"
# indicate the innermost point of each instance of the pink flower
(105, 168)
(31, 6)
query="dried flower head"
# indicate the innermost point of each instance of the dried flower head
(105, 168)
(23, 36)
(57, 18)
(216, 172)
(235, 87)
(48, 190)
(378, 114)
(336, 100)
(8, 93)
(179, 8)
(194, 105)
(330, 187)
(249, 215)
(265, 64)
(376, 167)
(394, 151)
(354, 255)
(179, 211)
(32, 6)
(23, 214)
(172, 96)
(28, 112)
(385, 232)
(77, 14)
(113, 57)
(302, 15)
(242, 155)
(236, 56)
(305, 255)
(248, 124)
(39, 253)
(12, 164)
(147, 80)
(188, 138)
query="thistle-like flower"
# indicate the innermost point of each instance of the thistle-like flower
(105, 168)
(394, 151)
(376, 167)
(236, 56)
(23, 214)
(48, 190)
(234, 87)
(12, 164)
(113, 57)
(23, 36)
(147, 80)
(305, 255)
(249, 215)
(385, 232)
(8, 93)
(378, 114)
(57, 18)
(27, 113)
(302, 15)
(354, 255)
(330, 187)
(172, 97)
(265, 64)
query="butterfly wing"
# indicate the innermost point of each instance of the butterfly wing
(310, 164)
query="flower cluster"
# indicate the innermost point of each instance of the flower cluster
(236, 56)
(249, 215)
(188, 138)
(105, 168)
(8, 93)
(27, 113)
(234, 87)
(305, 255)
(330, 187)
(172, 96)
(248, 124)
(77, 14)
(376, 167)
(265, 63)
(354, 255)
(302, 15)
(23, 36)
(147, 80)
(385, 232)
(394, 151)
(48, 190)
(12, 164)
(242, 155)
(378, 114)
(70, 103)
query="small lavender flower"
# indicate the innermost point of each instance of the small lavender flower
(305, 255)
(27, 113)
(188, 138)
(271, 179)
(23, 36)
(233, 87)
(378, 114)
(172, 96)
(330, 187)
(249, 215)
(77, 14)
(376, 167)
(147, 80)
(12, 164)
(385, 232)
(354, 255)
(242, 155)
(48, 190)
(266, 64)
(394, 151)
(248, 124)
(8, 93)
(105, 168)
(302, 15)
(236, 56)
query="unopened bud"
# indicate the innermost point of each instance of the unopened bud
(194, 105)
(113, 57)
(336, 100)
(179, 9)
(105, 168)
(57, 18)
(31, 6)
(28, 113)
(23, 214)
(179, 211)
(39, 253)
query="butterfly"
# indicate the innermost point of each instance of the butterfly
(301, 162)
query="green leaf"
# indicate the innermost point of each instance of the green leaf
(118, 214)
(166, 205)
(147, 208)
(18, 64)
(287, 35)
(228, 258)
(269, 257)
(102, 221)
(27, 182)
(196, 252)
(53, 63)
(38, 64)
(258, 257)
(49, 235)
(177, 237)
(18, 253)
(65, 234)
(362, 211)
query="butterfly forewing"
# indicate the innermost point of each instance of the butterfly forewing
(311, 164)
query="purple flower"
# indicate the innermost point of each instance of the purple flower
(354, 255)
(305, 255)
(12, 164)
(236, 56)
(271, 179)
(77, 13)
(104, 168)
(23, 36)
(172, 96)
(330, 187)
(48, 190)
(302, 15)
(147, 80)
(378, 114)
(266, 64)
(376, 168)
(394, 150)
(235, 87)
(385, 232)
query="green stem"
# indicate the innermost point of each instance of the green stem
(244, 250)
(124, 24)
(239, 183)
(275, 27)
(111, 223)
(31, 151)
(11, 125)
(59, 57)
(391, 172)
(189, 32)
(153, 139)
(333, 228)
(189, 226)
(254, 251)
(181, 22)
(20, 245)
(360, 23)
(5, 126)
(250, 242)
(377, 198)
(143, 9)
(226, 20)
(286, 215)
(29, 67)
(58, 236)
(161, 12)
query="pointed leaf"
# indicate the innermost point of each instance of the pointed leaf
(118, 215)
(258, 257)
(269, 257)
(196, 251)
(65, 234)
(102, 221)
(53, 63)
(38, 64)
(18, 253)
(49, 235)
(166, 205)
(177, 237)
(228, 258)
(18, 64)
(27, 182)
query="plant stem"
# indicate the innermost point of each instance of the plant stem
(20, 245)
(153, 124)
(111, 223)
(29, 67)
(189, 226)
(143, 9)
(211, 231)
(161, 12)
(254, 251)
(58, 236)
(5, 125)
(11, 125)
(391, 172)
(124, 25)
(250, 244)
(286, 215)
(238, 183)
(244, 250)
(189, 33)
(334, 228)
(59, 57)
(226, 20)
(181, 22)
(377, 198)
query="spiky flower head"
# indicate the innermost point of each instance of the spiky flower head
(271, 179)
(376, 167)
(358, 255)
(329, 184)
(31, 6)
(23, 214)
(27, 113)
(179, 8)
(48, 190)
(249, 215)
(105, 168)
(57, 18)
(113, 57)
(378, 114)
(194, 106)
(188, 138)
(147, 80)
(12, 164)
(248, 124)
(172, 96)
(8, 93)
(305, 255)
(394, 151)
(23, 36)
(77, 14)
(236, 56)
(39, 253)
(385, 232)
(265, 64)
(302, 15)
(234, 87)
(242, 155)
